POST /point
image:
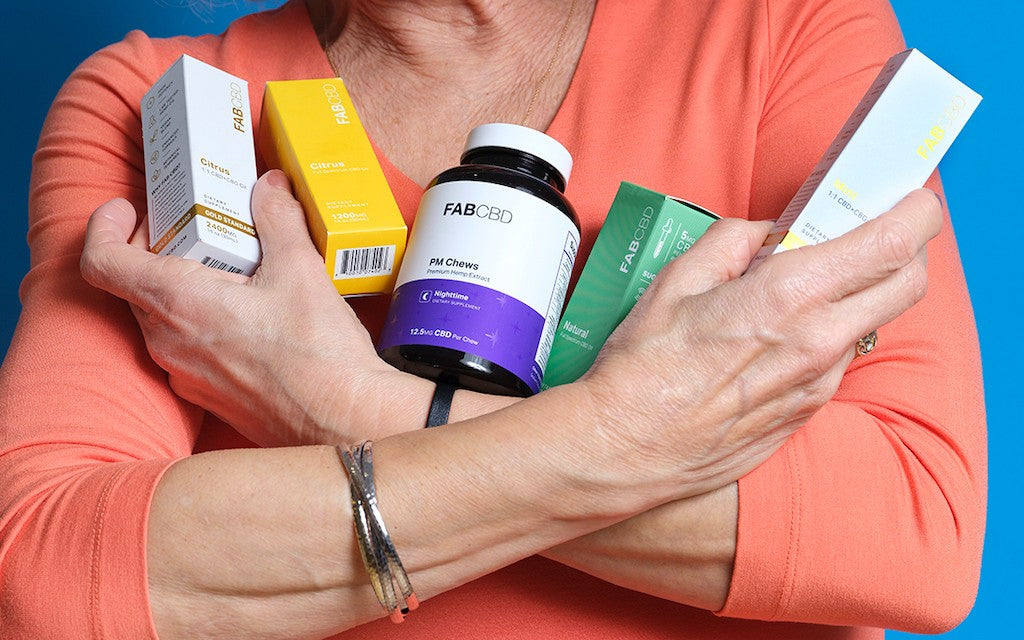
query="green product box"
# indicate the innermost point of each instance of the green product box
(644, 230)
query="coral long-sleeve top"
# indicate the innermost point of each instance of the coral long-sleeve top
(870, 516)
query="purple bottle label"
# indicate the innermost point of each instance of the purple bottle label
(467, 317)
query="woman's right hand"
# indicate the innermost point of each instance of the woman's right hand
(280, 355)
(715, 368)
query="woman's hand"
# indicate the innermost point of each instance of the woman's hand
(713, 370)
(279, 355)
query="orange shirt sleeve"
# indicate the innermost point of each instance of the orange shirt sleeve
(88, 423)
(873, 513)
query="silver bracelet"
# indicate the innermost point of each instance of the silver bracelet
(375, 545)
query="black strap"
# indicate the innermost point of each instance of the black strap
(440, 404)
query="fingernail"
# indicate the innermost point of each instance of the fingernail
(277, 179)
(938, 197)
(123, 205)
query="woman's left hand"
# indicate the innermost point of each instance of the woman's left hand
(279, 355)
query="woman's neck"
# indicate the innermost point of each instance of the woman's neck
(408, 26)
(430, 70)
(440, 40)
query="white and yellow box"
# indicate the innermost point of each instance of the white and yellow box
(200, 167)
(890, 145)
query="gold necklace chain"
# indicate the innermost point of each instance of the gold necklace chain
(540, 81)
(551, 63)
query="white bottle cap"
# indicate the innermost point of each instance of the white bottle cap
(519, 138)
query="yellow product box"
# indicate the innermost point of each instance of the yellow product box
(310, 130)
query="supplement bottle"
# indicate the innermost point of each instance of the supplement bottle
(481, 287)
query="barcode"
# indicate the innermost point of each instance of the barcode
(367, 261)
(223, 266)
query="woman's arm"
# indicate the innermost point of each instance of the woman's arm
(484, 485)
(891, 473)
(873, 514)
(700, 542)
(260, 544)
(88, 424)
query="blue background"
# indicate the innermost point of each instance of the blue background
(976, 42)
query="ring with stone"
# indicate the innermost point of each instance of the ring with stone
(867, 344)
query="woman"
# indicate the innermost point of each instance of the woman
(659, 474)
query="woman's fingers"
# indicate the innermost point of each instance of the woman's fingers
(720, 255)
(281, 224)
(116, 260)
(108, 261)
(140, 238)
(115, 257)
(866, 310)
(872, 252)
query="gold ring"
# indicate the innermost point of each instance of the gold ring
(867, 344)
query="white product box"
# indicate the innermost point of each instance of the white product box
(890, 145)
(200, 167)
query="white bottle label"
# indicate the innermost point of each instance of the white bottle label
(485, 272)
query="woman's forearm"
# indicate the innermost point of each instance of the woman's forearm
(260, 543)
(254, 543)
(262, 540)
(682, 551)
